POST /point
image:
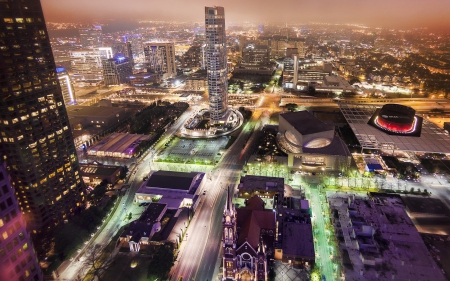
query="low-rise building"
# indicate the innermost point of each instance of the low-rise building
(270, 189)
(95, 174)
(176, 189)
(295, 239)
(141, 231)
(120, 145)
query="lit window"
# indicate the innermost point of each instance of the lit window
(8, 20)
(5, 235)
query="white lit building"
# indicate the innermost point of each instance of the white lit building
(66, 86)
(87, 65)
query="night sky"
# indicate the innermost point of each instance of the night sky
(375, 13)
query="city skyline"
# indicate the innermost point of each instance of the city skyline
(146, 141)
(397, 14)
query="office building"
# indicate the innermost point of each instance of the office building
(160, 59)
(35, 132)
(193, 58)
(216, 62)
(66, 86)
(91, 37)
(120, 49)
(117, 71)
(87, 65)
(17, 258)
(255, 54)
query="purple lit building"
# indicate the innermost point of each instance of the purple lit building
(17, 258)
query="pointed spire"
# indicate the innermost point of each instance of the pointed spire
(229, 208)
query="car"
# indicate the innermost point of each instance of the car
(204, 192)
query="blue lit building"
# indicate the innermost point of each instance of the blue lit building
(66, 86)
(117, 71)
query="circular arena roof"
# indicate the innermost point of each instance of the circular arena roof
(318, 143)
(292, 139)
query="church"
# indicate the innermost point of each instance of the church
(248, 240)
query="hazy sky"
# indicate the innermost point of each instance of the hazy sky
(384, 13)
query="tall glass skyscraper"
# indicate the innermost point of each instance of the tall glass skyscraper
(35, 135)
(216, 62)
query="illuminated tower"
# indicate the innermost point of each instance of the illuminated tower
(216, 62)
(35, 134)
(229, 239)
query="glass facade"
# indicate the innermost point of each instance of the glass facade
(216, 62)
(35, 134)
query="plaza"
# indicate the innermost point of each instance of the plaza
(193, 151)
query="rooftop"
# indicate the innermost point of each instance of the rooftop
(92, 111)
(298, 239)
(252, 219)
(250, 182)
(306, 123)
(99, 170)
(172, 180)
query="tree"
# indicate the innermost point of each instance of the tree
(123, 172)
(162, 261)
(97, 263)
(292, 107)
(96, 195)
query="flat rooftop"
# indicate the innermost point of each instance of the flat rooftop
(298, 240)
(429, 206)
(432, 139)
(118, 143)
(171, 180)
(98, 170)
(306, 123)
(92, 111)
(250, 182)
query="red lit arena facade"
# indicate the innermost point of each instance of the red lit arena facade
(396, 118)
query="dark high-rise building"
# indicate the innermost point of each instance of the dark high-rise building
(91, 36)
(216, 62)
(17, 258)
(117, 71)
(193, 58)
(35, 134)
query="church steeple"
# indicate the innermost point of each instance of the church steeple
(229, 238)
(229, 207)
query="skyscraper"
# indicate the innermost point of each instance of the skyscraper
(117, 71)
(160, 59)
(216, 62)
(17, 258)
(34, 127)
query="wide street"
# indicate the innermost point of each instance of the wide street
(198, 256)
